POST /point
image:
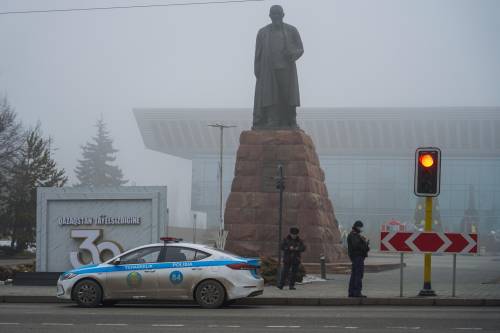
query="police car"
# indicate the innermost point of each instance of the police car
(172, 270)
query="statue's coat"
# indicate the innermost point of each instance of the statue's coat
(266, 89)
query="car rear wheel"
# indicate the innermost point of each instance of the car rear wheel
(210, 294)
(87, 294)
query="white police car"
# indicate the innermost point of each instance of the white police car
(170, 271)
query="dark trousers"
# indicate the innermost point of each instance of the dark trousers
(285, 273)
(356, 281)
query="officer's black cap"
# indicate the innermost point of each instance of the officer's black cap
(294, 231)
(358, 224)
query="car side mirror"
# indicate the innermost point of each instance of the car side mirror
(117, 261)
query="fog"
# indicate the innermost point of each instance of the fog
(67, 69)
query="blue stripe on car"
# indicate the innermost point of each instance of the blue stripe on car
(162, 265)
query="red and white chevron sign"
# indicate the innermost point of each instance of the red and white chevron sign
(428, 242)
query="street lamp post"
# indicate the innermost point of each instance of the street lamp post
(221, 149)
(194, 228)
(280, 185)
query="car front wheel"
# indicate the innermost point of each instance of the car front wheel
(87, 294)
(210, 294)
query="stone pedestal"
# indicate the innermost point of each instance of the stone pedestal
(252, 209)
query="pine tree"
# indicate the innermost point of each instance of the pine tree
(95, 168)
(34, 168)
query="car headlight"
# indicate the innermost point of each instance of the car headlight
(67, 276)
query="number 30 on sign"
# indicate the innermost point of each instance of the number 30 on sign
(91, 245)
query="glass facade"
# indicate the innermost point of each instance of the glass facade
(205, 188)
(376, 190)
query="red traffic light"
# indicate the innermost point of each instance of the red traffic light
(426, 160)
(427, 171)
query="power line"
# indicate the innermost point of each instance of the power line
(126, 7)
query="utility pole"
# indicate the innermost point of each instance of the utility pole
(221, 127)
(194, 228)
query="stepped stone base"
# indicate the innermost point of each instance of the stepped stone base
(252, 209)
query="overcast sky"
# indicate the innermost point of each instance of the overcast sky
(66, 69)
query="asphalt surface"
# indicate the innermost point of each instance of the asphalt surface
(164, 318)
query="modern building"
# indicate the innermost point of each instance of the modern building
(367, 155)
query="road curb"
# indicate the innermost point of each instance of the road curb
(297, 301)
(345, 268)
(30, 299)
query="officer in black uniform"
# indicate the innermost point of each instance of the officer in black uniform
(292, 246)
(357, 248)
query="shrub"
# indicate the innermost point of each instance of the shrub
(269, 267)
(7, 272)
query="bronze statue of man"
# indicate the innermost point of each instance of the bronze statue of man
(277, 48)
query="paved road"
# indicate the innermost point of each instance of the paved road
(128, 318)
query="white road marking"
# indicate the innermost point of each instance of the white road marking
(111, 324)
(9, 323)
(404, 327)
(232, 326)
(351, 327)
(167, 325)
(57, 324)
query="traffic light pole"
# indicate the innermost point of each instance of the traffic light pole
(280, 185)
(427, 289)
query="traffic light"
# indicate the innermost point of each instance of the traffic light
(427, 172)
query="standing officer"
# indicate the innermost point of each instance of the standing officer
(357, 248)
(292, 246)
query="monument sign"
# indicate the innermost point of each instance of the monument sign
(78, 225)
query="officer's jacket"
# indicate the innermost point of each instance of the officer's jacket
(292, 248)
(357, 245)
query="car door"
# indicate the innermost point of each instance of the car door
(135, 276)
(180, 272)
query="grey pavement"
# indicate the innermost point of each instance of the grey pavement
(477, 277)
(163, 318)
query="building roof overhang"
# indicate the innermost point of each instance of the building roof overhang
(461, 132)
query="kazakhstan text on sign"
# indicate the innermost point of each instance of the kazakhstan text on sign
(100, 220)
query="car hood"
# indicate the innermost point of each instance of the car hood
(82, 268)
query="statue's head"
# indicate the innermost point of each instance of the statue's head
(276, 14)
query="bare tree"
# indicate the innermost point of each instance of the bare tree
(12, 138)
